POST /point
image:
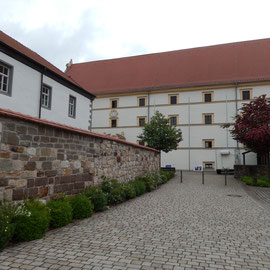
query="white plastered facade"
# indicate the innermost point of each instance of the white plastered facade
(25, 96)
(226, 102)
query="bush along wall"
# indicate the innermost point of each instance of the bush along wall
(31, 219)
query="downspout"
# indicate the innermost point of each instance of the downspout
(91, 115)
(189, 157)
(148, 109)
(236, 109)
(40, 94)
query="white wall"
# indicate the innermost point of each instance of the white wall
(25, 96)
(223, 107)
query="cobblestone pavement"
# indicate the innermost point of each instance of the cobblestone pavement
(179, 226)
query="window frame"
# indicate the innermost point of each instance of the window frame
(140, 141)
(116, 122)
(244, 90)
(114, 100)
(138, 120)
(208, 140)
(44, 85)
(9, 78)
(172, 95)
(138, 101)
(208, 114)
(177, 119)
(75, 105)
(207, 93)
(209, 162)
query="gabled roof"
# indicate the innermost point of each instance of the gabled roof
(11, 46)
(246, 61)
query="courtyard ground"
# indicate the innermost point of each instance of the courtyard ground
(179, 226)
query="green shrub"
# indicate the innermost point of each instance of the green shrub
(97, 197)
(139, 187)
(113, 190)
(82, 207)
(60, 213)
(32, 222)
(261, 182)
(149, 181)
(129, 190)
(8, 211)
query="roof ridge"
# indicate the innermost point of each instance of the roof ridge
(173, 51)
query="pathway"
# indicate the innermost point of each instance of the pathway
(179, 226)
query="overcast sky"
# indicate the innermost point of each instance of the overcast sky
(100, 29)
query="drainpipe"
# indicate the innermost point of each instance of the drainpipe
(148, 109)
(236, 108)
(189, 134)
(40, 95)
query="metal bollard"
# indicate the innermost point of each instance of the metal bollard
(203, 177)
(181, 176)
(225, 177)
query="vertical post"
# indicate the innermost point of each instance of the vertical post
(226, 177)
(203, 177)
(181, 176)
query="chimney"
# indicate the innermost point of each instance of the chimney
(68, 65)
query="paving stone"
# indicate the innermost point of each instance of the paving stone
(180, 226)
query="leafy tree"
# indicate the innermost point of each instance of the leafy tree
(160, 135)
(252, 127)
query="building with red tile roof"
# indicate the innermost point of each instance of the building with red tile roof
(31, 85)
(198, 89)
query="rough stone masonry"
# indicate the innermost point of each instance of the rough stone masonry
(40, 159)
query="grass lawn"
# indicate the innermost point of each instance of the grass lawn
(261, 182)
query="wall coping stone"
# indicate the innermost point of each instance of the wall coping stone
(13, 114)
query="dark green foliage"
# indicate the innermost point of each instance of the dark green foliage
(7, 227)
(113, 190)
(97, 197)
(166, 175)
(60, 213)
(139, 187)
(261, 182)
(129, 190)
(32, 222)
(149, 182)
(82, 207)
(160, 135)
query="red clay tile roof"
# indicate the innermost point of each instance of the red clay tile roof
(69, 128)
(26, 52)
(220, 64)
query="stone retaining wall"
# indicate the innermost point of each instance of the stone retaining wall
(251, 170)
(39, 158)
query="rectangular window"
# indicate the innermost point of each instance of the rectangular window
(245, 94)
(113, 123)
(72, 107)
(141, 143)
(208, 143)
(5, 79)
(209, 165)
(173, 120)
(141, 120)
(141, 101)
(46, 96)
(173, 99)
(114, 103)
(208, 97)
(208, 118)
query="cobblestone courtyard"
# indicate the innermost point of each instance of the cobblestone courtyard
(179, 226)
